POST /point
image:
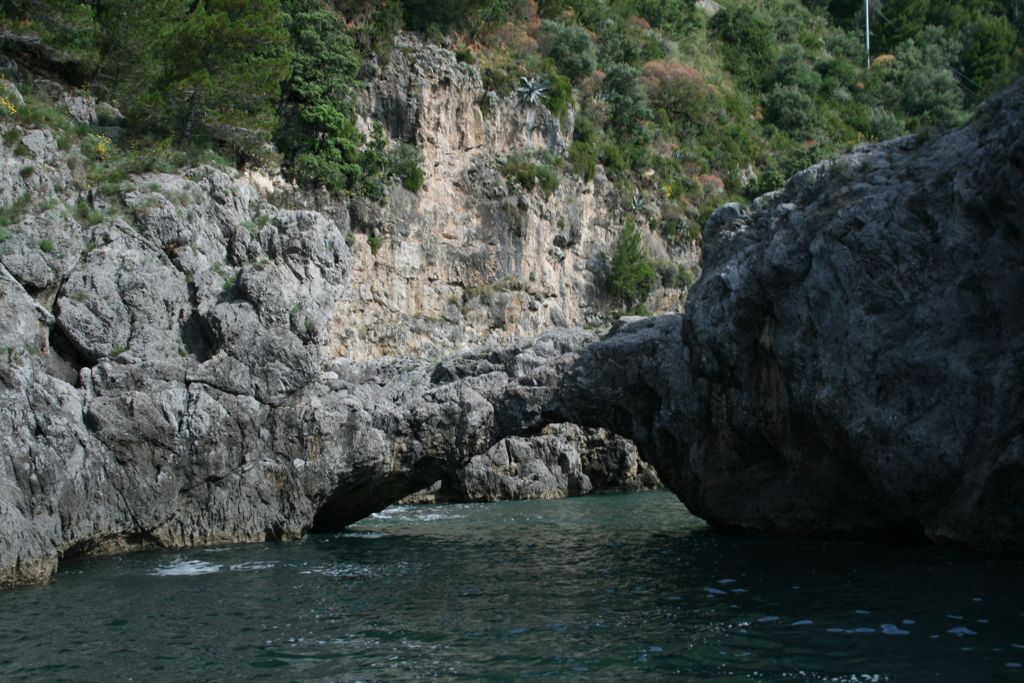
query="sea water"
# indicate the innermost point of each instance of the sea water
(616, 587)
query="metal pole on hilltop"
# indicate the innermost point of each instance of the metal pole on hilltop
(867, 31)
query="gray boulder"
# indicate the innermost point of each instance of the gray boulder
(564, 460)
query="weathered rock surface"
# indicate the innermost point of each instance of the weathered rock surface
(858, 344)
(473, 258)
(565, 460)
(851, 360)
(163, 381)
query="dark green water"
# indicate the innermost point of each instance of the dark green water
(600, 588)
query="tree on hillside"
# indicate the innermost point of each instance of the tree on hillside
(988, 44)
(628, 108)
(66, 24)
(318, 133)
(676, 17)
(442, 14)
(633, 274)
(906, 21)
(571, 49)
(222, 63)
(750, 41)
(130, 33)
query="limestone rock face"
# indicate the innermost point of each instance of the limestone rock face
(856, 345)
(565, 460)
(849, 362)
(163, 380)
(473, 258)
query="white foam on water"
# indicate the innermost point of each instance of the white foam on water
(392, 511)
(252, 566)
(182, 567)
(414, 513)
(962, 631)
(334, 570)
(435, 516)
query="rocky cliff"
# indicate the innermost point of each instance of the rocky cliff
(848, 362)
(164, 382)
(474, 258)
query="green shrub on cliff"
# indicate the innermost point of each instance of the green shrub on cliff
(317, 134)
(633, 274)
(529, 174)
(222, 64)
(671, 94)
(571, 48)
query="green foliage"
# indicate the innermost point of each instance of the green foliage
(682, 108)
(406, 164)
(677, 18)
(35, 113)
(47, 246)
(907, 19)
(131, 35)
(87, 214)
(789, 108)
(318, 135)
(680, 94)
(379, 164)
(13, 213)
(571, 49)
(882, 124)
(583, 157)
(530, 175)
(438, 16)
(791, 68)
(633, 275)
(677, 277)
(920, 84)
(69, 25)
(558, 97)
(988, 43)
(748, 41)
(628, 108)
(375, 243)
(222, 64)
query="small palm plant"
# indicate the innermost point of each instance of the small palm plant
(532, 89)
(639, 204)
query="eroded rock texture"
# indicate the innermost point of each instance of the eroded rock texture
(855, 349)
(564, 460)
(475, 258)
(850, 362)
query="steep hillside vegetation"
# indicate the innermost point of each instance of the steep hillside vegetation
(685, 104)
